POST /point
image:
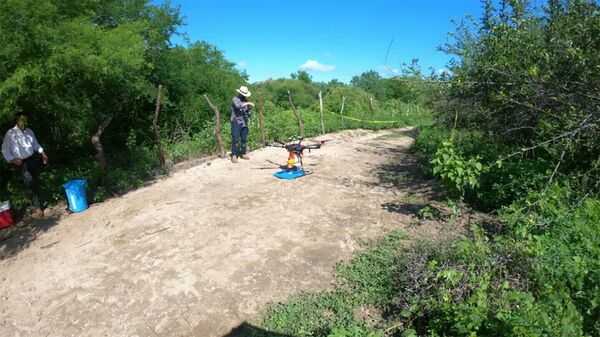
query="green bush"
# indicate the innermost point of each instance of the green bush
(497, 185)
(544, 285)
(457, 174)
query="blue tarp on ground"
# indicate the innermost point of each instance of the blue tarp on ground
(290, 174)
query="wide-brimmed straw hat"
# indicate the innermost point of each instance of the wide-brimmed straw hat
(243, 91)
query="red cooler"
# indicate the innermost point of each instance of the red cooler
(6, 219)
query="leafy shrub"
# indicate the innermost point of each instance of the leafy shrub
(429, 212)
(457, 174)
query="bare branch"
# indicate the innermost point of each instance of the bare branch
(298, 118)
(161, 154)
(217, 127)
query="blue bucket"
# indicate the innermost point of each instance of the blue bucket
(75, 190)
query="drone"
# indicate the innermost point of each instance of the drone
(294, 167)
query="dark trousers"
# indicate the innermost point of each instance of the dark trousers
(239, 134)
(29, 171)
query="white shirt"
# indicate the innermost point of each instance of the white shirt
(19, 144)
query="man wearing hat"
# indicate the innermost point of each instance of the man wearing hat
(240, 114)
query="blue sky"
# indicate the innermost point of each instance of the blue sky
(331, 39)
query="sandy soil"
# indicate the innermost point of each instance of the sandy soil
(202, 251)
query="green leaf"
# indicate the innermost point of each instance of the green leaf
(410, 333)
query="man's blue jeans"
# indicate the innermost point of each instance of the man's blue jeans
(239, 134)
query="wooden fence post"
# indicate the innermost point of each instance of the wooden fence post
(217, 128)
(261, 120)
(300, 123)
(321, 105)
(161, 153)
(342, 112)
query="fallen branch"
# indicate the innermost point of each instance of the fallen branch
(50, 245)
(85, 243)
(158, 231)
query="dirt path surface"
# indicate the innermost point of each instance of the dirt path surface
(200, 252)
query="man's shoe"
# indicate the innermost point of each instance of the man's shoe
(38, 213)
(245, 156)
(233, 159)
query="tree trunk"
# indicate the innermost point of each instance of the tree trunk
(321, 106)
(300, 124)
(100, 150)
(261, 120)
(161, 153)
(217, 128)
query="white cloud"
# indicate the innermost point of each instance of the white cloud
(387, 70)
(242, 64)
(316, 66)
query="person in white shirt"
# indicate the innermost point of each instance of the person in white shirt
(21, 148)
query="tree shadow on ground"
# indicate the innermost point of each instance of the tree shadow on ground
(406, 208)
(248, 330)
(403, 174)
(19, 236)
(412, 133)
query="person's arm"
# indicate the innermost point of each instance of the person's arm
(7, 152)
(238, 104)
(37, 147)
(249, 106)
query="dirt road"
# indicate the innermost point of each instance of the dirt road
(200, 252)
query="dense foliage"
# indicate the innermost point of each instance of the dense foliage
(71, 66)
(528, 79)
(516, 135)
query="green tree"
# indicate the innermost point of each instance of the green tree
(302, 75)
(526, 81)
(72, 65)
(304, 94)
(370, 82)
